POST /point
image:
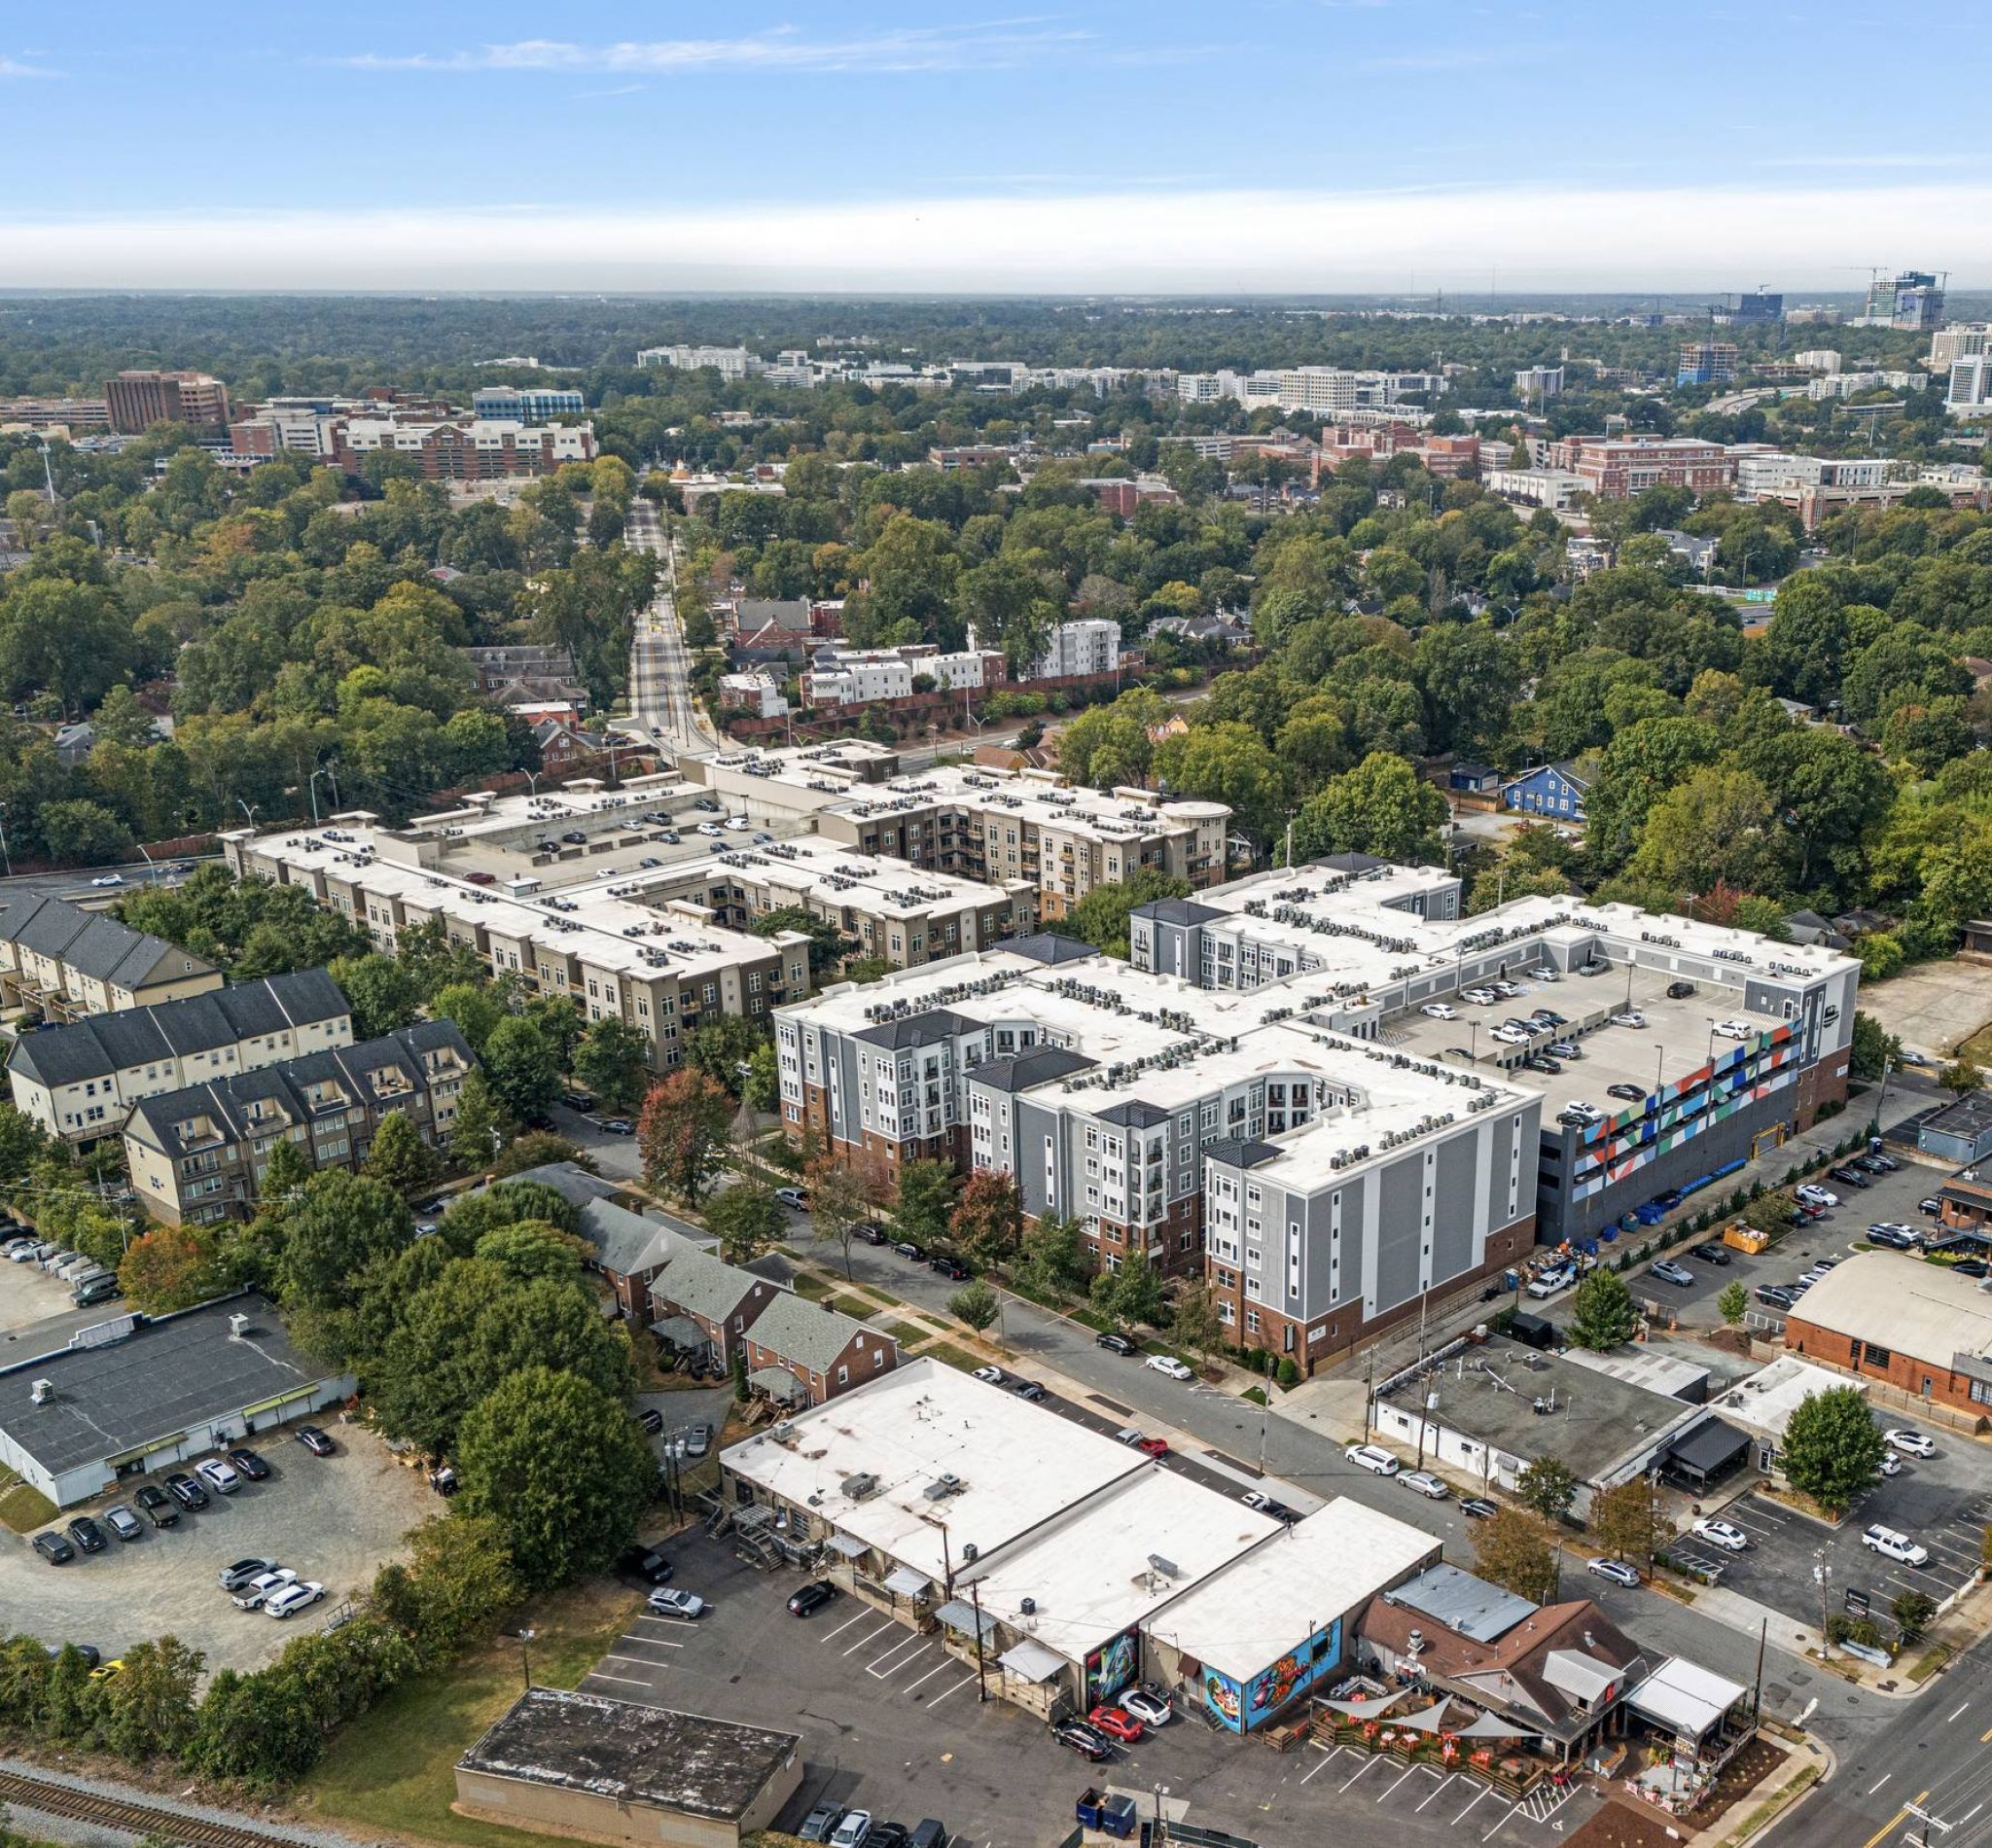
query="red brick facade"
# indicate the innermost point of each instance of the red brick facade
(1920, 1377)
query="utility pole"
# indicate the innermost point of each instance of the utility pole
(1925, 1822)
(982, 1676)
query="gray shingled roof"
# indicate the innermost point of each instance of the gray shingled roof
(1048, 947)
(934, 1027)
(701, 1283)
(1038, 1066)
(626, 1242)
(807, 1333)
(1179, 911)
(1135, 1114)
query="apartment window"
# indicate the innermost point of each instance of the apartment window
(843, 1375)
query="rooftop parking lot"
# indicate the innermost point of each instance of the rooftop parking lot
(891, 1723)
(333, 1519)
(1943, 1502)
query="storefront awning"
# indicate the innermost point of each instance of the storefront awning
(1031, 1660)
(908, 1582)
(1487, 1726)
(959, 1615)
(845, 1545)
(777, 1382)
(1684, 1699)
(679, 1330)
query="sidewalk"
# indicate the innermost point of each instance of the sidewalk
(1754, 1811)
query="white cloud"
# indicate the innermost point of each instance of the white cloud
(1538, 238)
(14, 67)
(986, 45)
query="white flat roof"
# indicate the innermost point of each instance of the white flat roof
(1899, 1301)
(1765, 1400)
(1259, 1606)
(1115, 1559)
(1017, 1466)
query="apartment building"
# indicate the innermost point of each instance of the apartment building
(520, 673)
(467, 448)
(1969, 390)
(197, 1156)
(756, 692)
(80, 1081)
(850, 676)
(1967, 339)
(68, 962)
(663, 970)
(732, 362)
(1617, 468)
(525, 403)
(1706, 363)
(1090, 646)
(64, 415)
(138, 400)
(1537, 384)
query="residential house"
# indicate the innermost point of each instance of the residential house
(69, 961)
(701, 1304)
(80, 1081)
(197, 1156)
(1469, 778)
(627, 1249)
(802, 1353)
(1552, 790)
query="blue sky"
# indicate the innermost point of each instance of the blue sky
(1305, 144)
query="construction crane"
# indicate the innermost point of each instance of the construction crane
(1874, 271)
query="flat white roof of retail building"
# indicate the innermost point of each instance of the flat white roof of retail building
(1898, 1301)
(1115, 1559)
(1765, 1400)
(1248, 1615)
(1014, 1465)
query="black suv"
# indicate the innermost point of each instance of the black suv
(1680, 990)
(1114, 1343)
(949, 1266)
(88, 1535)
(156, 1506)
(52, 1547)
(186, 1491)
(641, 1562)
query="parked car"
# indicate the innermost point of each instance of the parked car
(1723, 1534)
(1439, 1010)
(1713, 1254)
(1678, 1276)
(219, 1476)
(1617, 1571)
(618, 1126)
(156, 1505)
(1425, 1484)
(1077, 1736)
(646, 1564)
(1150, 1709)
(1972, 1267)
(88, 1535)
(1566, 1049)
(1891, 1544)
(1114, 1343)
(1932, 1206)
(650, 1419)
(1887, 1163)
(1895, 1237)
(821, 1821)
(1850, 1176)
(793, 1198)
(1117, 1723)
(315, 1440)
(1153, 1446)
(248, 1464)
(1733, 1029)
(293, 1598)
(1630, 1093)
(697, 1439)
(1680, 990)
(989, 1375)
(1912, 1443)
(870, 1231)
(913, 1253)
(251, 1593)
(1477, 1508)
(1547, 1283)
(186, 1491)
(123, 1522)
(1027, 1389)
(813, 1596)
(55, 1547)
(1631, 1017)
(95, 1290)
(668, 1602)
(1549, 1016)
(850, 1833)
(1542, 1063)
(1813, 1195)
(1371, 1457)
(1168, 1363)
(1775, 1295)
(953, 1268)
(234, 1578)
(1479, 997)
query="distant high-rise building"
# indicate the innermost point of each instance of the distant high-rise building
(1537, 383)
(525, 403)
(1706, 363)
(1917, 302)
(1754, 309)
(139, 400)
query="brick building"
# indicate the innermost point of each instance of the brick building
(1914, 1326)
(138, 400)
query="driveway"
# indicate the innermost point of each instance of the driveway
(334, 1519)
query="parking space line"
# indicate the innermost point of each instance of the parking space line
(1500, 1825)
(642, 1661)
(628, 1681)
(1485, 1791)
(862, 1614)
(1360, 1770)
(650, 1642)
(906, 1661)
(944, 1663)
(1438, 1789)
(888, 1624)
(1408, 1770)
(1328, 1754)
(945, 1692)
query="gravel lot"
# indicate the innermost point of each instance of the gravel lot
(334, 1518)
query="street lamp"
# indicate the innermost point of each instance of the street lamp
(6, 857)
(324, 769)
(247, 810)
(149, 864)
(1822, 1577)
(525, 1658)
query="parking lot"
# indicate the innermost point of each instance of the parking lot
(28, 1296)
(1942, 1503)
(891, 1723)
(333, 1519)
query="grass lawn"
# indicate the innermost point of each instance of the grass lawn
(22, 1506)
(1978, 1048)
(808, 1283)
(907, 1334)
(958, 1357)
(857, 1307)
(393, 1771)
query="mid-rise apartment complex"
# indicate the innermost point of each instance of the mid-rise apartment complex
(525, 403)
(135, 400)
(730, 362)
(1088, 647)
(197, 1156)
(69, 961)
(465, 449)
(1617, 468)
(852, 676)
(1970, 386)
(80, 1081)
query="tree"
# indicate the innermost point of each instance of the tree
(925, 1202)
(382, 990)
(1224, 763)
(842, 1194)
(477, 1130)
(475, 1008)
(1832, 1450)
(1718, 826)
(149, 1708)
(343, 1221)
(763, 1089)
(826, 942)
(1100, 918)
(521, 1068)
(285, 1174)
(987, 1222)
(400, 1159)
(1054, 1258)
(722, 1048)
(1602, 1312)
(612, 1059)
(1626, 1522)
(1196, 1323)
(530, 1248)
(1138, 1294)
(171, 1267)
(536, 1148)
(84, 833)
(1911, 1611)
(683, 1132)
(975, 1303)
(748, 1220)
(1548, 1485)
(1382, 806)
(1873, 1046)
(1509, 1551)
(561, 1467)
(1733, 1304)
(1960, 1077)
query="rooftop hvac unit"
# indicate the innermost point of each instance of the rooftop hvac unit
(970, 1553)
(857, 1487)
(238, 1325)
(1166, 1567)
(1027, 1605)
(42, 1391)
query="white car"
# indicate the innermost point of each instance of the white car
(1912, 1443)
(223, 1477)
(108, 878)
(1439, 1010)
(293, 1598)
(1616, 1569)
(989, 1375)
(1148, 1708)
(1726, 1535)
(709, 827)
(1891, 1544)
(1632, 1017)
(1479, 997)
(1815, 1196)
(1425, 1484)
(668, 1601)
(1733, 1029)
(1509, 1035)
(252, 1595)
(855, 1827)
(1168, 1363)
(740, 824)
(1371, 1457)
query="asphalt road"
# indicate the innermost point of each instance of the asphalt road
(76, 885)
(661, 702)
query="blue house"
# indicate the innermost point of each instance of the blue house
(1553, 791)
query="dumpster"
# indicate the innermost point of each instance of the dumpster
(1110, 1813)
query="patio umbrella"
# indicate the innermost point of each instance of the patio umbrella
(1427, 1720)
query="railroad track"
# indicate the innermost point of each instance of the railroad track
(142, 1820)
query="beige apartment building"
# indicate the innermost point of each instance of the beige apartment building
(69, 961)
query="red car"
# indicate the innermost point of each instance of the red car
(1153, 1447)
(1116, 1723)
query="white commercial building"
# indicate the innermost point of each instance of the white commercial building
(1970, 385)
(756, 692)
(730, 362)
(1759, 474)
